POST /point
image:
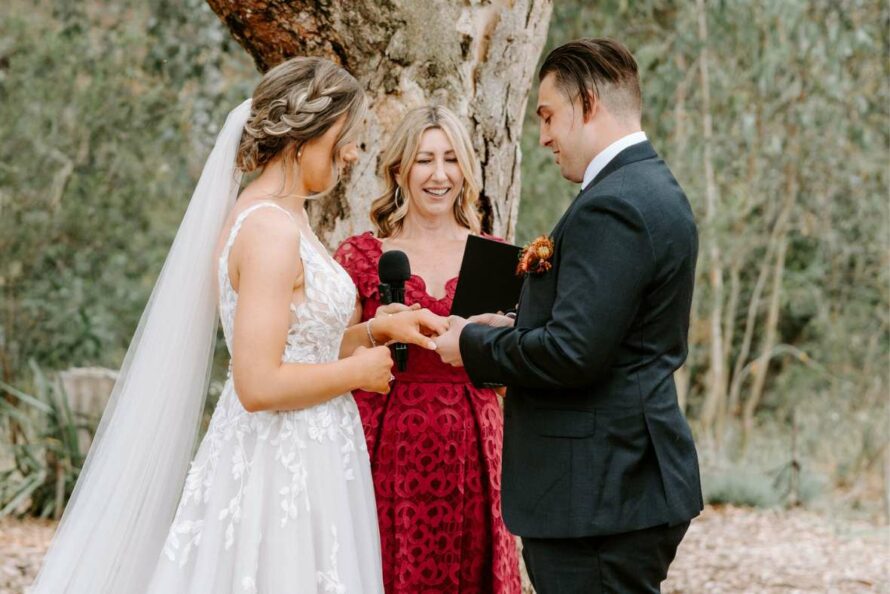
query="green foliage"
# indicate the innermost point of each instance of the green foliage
(106, 123)
(800, 99)
(105, 126)
(41, 441)
(739, 487)
(108, 109)
(745, 484)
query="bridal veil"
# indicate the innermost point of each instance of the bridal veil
(114, 527)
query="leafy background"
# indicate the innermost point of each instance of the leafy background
(107, 110)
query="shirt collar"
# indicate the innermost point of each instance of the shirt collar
(610, 152)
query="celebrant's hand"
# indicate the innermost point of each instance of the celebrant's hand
(448, 344)
(391, 308)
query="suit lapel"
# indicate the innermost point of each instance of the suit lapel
(632, 154)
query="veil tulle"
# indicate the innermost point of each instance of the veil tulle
(114, 527)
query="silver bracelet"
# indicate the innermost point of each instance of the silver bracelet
(370, 336)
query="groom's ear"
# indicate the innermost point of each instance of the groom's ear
(594, 104)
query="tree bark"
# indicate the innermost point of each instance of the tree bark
(682, 375)
(778, 232)
(750, 323)
(759, 370)
(477, 58)
(716, 395)
(729, 317)
(761, 366)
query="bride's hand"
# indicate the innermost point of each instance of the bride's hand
(375, 368)
(410, 326)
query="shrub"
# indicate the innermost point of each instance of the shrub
(41, 441)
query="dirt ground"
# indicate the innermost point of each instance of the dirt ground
(727, 550)
(742, 551)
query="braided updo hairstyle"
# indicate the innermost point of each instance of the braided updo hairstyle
(296, 101)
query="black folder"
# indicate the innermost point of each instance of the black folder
(488, 281)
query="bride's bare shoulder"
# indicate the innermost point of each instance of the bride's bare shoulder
(263, 216)
(268, 242)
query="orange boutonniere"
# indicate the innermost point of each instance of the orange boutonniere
(535, 257)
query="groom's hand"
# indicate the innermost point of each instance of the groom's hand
(448, 344)
(497, 320)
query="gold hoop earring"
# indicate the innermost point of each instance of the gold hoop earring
(399, 199)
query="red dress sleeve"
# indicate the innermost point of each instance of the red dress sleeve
(357, 256)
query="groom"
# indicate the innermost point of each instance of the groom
(600, 474)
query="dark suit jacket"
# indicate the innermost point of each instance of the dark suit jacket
(594, 440)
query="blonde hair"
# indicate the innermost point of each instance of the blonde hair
(296, 101)
(387, 212)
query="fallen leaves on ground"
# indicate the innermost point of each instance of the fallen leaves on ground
(727, 550)
(740, 551)
(22, 545)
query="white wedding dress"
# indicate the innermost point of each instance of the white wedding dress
(279, 502)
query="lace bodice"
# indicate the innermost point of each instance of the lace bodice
(279, 501)
(317, 324)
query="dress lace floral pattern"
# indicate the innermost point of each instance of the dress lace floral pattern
(435, 446)
(279, 502)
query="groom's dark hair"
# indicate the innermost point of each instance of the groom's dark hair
(604, 67)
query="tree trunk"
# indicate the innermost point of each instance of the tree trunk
(761, 366)
(729, 317)
(778, 246)
(750, 323)
(682, 375)
(751, 201)
(476, 58)
(759, 370)
(716, 395)
(776, 235)
(886, 468)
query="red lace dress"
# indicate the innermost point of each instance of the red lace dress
(435, 447)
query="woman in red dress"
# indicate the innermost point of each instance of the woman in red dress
(435, 439)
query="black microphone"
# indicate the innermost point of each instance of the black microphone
(393, 270)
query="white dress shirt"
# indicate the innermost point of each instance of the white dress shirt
(610, 152)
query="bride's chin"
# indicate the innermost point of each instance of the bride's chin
(320, 186)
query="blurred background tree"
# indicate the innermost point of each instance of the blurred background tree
(108, 110)
(772, 115)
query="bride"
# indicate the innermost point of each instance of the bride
(279, 496)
